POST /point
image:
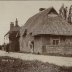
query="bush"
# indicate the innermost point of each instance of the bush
(9, 64)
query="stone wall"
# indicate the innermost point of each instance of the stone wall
(24, 43)
(59, 49)
(37, 45)
(44, 45)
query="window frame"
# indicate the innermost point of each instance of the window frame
(55, 42)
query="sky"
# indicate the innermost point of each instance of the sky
(10, 10)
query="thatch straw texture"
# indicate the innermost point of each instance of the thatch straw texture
(41, 23)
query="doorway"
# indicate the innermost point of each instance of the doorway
(43, 49)
(32, 46)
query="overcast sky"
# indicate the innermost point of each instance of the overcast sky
(10, 10)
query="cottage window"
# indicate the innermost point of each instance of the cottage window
(55, 42)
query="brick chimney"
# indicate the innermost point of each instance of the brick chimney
(16, 22)
(11, 25)
(41, 9)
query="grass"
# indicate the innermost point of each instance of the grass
(9, 64)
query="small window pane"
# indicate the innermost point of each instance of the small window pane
(55, 42)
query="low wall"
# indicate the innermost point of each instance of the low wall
(64, 50)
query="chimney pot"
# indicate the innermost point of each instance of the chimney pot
(11, 25)
(16, 22)
(41, 9)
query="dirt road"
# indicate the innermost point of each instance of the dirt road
(62, 61)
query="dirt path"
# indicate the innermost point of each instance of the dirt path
(62, 61)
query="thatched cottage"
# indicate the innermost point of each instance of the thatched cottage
(46, 32)
(13, 36)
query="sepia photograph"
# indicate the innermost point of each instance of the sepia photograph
(35, 36)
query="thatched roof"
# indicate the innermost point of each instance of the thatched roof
(42, 23)
(14, 29)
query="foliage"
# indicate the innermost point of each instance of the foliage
(9, 64)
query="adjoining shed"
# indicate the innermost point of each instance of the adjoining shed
(13, 36)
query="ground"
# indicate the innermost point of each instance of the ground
(57, 60)
(10, 64)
